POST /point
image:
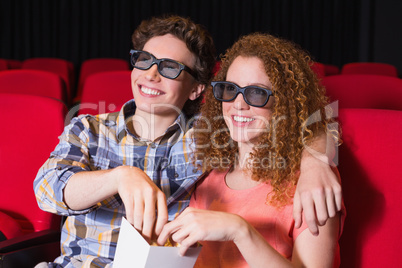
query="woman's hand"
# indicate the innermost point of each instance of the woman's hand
(194, 225)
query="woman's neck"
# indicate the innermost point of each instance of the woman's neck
(240, 177)
(244, 151)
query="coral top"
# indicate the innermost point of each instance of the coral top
(276, 225)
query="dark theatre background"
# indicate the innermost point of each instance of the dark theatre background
(333, 31)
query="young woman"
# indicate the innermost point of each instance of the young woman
(264, 108)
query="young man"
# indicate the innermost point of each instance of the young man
(95, 175)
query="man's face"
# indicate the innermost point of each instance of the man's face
(158, 95)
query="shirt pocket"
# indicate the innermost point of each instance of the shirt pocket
(103, 163)
(179, 172)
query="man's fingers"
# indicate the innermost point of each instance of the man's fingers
(148, 220)
(138, 216)
(338, 198)
(321, 212)
(331, 204)
(297, 211)
(129, 206)
(162, 212)
(310, 215)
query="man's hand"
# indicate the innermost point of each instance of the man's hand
(145, 203)
(143, 200)
(318, 193)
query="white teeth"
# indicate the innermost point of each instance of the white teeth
(150, 91)
(242, 119)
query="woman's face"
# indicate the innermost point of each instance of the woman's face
(245, 122)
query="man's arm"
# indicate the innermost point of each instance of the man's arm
(140, 195)
(66, 184)
(318, 193)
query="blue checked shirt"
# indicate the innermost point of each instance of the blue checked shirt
(104, 142)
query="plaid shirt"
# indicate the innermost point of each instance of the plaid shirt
(103, 142)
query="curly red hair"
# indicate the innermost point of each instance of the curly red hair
(299, 115)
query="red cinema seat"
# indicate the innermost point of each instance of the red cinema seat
(35, 123)
(9, 227)
(32, 82)
(369, 164)
(93, 66)
(331, 69)
(71, 78)
(106, 92)
(217, 67)
(14, 64)
(319, 69)
(370, 68)
(31, 134)
(364, 91)
(3, 65)
(60, 67)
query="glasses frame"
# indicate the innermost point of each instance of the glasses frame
(158, 61)
(241, 90)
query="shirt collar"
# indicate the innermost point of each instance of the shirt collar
(123, 122)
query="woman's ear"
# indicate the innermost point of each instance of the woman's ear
(196, 92)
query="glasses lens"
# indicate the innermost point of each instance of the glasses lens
(141, 60)
(225, 91)
(169, 68)
(256, 96)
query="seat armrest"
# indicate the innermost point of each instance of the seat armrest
(28, 250)
(29, 240)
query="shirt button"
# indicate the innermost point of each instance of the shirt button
(153, 146)
(176, 175)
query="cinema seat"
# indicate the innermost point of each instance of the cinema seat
(32, 82)
(319, 69)
(364, 91)
(370, 68)
(14, 64)
(61, 67)
(105, 92)
(3, 65)
(331, 69)
(29, 136)
(97, 65)
(369, 164)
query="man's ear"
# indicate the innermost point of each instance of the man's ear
(196, 92)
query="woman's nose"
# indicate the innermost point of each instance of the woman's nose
(239, 103)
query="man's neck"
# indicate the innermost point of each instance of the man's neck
(151, 126)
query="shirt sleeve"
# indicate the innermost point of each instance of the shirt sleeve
(69, 157)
